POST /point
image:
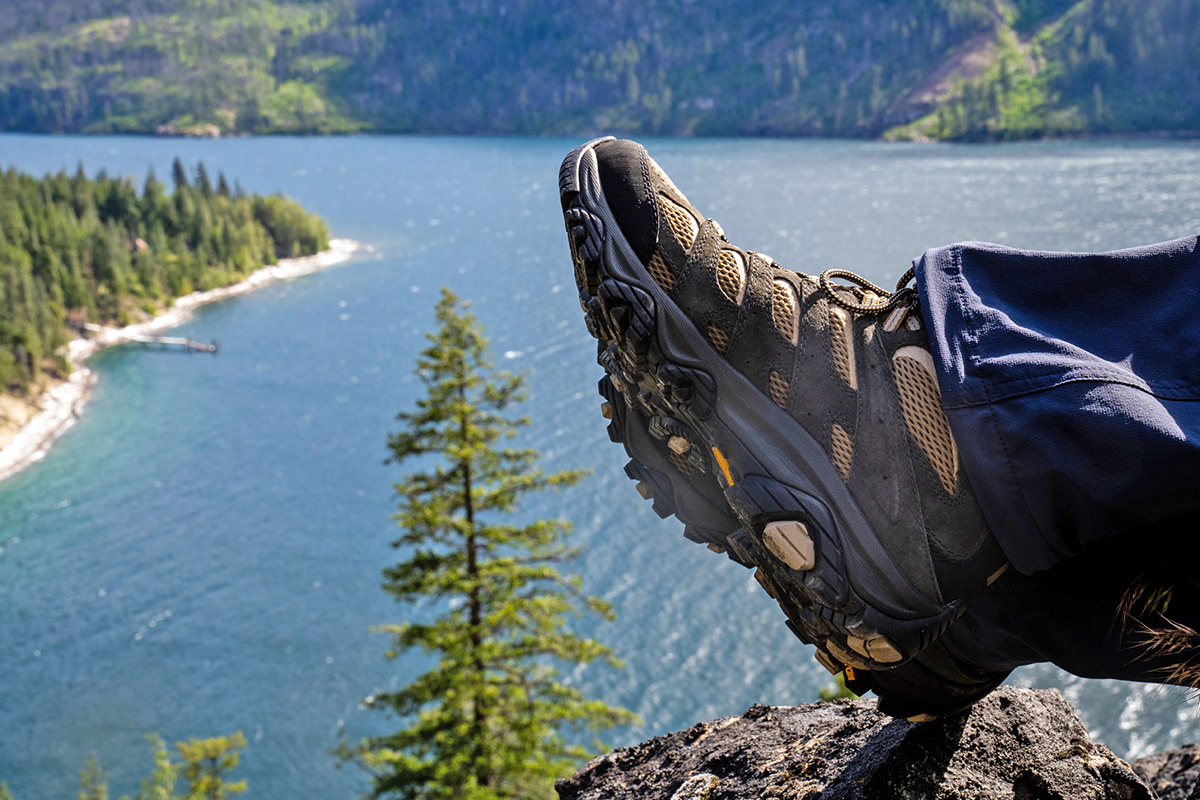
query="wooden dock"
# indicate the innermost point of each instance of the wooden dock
(150, 339)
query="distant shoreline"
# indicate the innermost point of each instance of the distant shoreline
(1157, 134)
(63, 403)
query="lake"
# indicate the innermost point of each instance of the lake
(201, 553)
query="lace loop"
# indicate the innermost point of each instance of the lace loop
(902, 294)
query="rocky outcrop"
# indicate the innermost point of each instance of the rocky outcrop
(1174, 775)
(1017, 743)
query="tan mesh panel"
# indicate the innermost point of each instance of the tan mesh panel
(921, 404)
(783, 310)
(681, 222)
(841, 346)
(718, 337)
(659, 270)
(843, 450)
(779, 389)
(681, 463)
(731, 275)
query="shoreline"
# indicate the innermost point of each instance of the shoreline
(61, 404)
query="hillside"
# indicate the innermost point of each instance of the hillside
(949, 69)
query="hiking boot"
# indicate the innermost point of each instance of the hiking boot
(792, 422)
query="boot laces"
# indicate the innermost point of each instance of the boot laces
(902, 295)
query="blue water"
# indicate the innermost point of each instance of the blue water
(201, 553)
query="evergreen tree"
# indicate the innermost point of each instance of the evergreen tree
(487, 722)
(202, 182)
(93, 783)
(207, 764)
(178, 174)
(159, 784)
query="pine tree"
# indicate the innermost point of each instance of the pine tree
(207, 764)
(202, 182)
(93, 782)
(178, 174)
(487, 722)
(159, 784)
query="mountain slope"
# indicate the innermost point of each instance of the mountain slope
(957, 68)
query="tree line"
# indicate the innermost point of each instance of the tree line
(729, 67)
(75, 249)
(204, 766)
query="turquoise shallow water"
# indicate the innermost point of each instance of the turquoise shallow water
(201, 552)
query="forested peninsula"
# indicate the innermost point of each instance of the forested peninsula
(966, 70)
(74, 249)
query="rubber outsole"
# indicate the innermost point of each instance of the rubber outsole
(934, 685)
(667, 386)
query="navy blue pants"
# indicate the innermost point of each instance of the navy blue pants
(1072, 386)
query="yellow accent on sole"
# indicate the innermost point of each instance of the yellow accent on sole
(723, 464)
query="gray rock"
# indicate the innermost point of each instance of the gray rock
(1016, 744)
(1174, 775)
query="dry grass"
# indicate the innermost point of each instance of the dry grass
(1144, 614)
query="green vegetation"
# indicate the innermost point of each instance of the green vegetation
(836, 690)
(205, 765)
(196, 68)
(1106, 66)
(75, 249)
(728, 67)
(485, 722)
